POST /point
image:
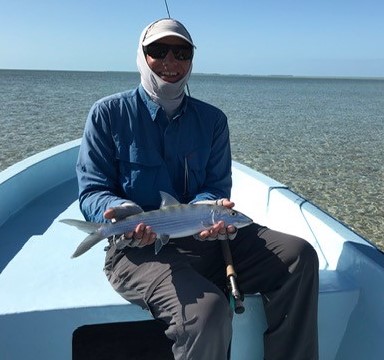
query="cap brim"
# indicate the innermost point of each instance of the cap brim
(155, 37)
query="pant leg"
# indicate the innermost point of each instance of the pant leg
(284, 269)
(196, 311)
(198, 315)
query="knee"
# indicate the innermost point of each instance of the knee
(304, 257)
(309, 256)
(307, 266)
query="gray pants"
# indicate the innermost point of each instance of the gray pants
(183, 284)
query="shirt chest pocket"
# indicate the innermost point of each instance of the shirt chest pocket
(139, 170)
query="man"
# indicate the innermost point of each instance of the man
(156, 138)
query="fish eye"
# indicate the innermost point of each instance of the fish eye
(233, 213)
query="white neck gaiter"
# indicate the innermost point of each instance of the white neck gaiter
(168, 95)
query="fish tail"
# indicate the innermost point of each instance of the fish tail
(92, 239)
(87, 243)
(86, 226)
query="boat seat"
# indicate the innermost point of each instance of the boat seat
(337, 298)
(53, 299)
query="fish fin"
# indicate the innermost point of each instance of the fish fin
(167, 200)
(86, 226)
(160, 242)
(87, 243)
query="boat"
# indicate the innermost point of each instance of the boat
(55, 307)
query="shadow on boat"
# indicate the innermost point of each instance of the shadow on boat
(363, 265)
(34, 219)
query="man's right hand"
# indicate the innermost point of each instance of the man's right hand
(141, 236)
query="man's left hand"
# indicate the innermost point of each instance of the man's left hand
(219, 231)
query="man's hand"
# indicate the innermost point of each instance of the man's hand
(141, 236)
(122, 211)
(218, 231)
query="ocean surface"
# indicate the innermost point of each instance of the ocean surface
(322, 137)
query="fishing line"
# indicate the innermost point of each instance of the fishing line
(166, 6)
(169, 16)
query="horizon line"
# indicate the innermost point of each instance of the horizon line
(218, 74)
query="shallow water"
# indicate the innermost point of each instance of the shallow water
(321, 137)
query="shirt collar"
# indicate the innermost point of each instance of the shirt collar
(153, 107)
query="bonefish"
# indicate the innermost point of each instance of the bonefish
(171, 220)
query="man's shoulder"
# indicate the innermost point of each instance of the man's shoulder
(202, 104)
(119, 97)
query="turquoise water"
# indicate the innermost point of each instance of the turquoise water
(324, 138)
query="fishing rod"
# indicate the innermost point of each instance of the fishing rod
(231, 277)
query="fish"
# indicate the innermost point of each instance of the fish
(172, 220)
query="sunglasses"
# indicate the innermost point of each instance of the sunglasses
(160, 51)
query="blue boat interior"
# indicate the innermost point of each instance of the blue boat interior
(69, 302)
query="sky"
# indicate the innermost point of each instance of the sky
(342, 38)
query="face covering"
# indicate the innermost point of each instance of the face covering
(168, 95)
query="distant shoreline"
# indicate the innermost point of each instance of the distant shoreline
(269, 76)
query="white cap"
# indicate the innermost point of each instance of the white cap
(166, 27)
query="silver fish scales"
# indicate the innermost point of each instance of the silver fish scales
(172, 220)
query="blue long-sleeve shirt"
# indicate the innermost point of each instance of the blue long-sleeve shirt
(131, 151)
